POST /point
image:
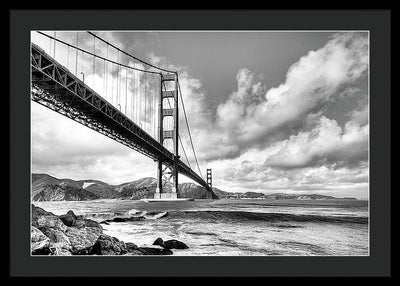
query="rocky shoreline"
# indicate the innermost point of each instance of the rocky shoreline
(70, 234)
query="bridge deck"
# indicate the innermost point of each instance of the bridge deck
(55, 87)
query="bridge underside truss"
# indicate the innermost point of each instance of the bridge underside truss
(57, 88)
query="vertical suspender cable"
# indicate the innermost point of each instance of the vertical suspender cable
(145, 98)
(50, 46)
(82, 59)
(112, 85)
(118, 80)
(107, 73)
(76, 60)
(94, 58)
(68, 58)
(54, 50)
(131, 96)
(126, 91)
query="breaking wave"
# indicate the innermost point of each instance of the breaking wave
(269, 217)
(220, 215)
(131, 215)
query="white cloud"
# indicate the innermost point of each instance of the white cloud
(309, 82)
(326, 143)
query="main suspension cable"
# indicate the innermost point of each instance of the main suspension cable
(97, 56)
(129, 55)
(187, 124)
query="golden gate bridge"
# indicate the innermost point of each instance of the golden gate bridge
(91, 81)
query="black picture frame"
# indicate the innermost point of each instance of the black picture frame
(378, 22)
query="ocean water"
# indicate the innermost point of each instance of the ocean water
(237, 227)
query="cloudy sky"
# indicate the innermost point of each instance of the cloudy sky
(269, 112)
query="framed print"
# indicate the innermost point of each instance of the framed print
(193, 148)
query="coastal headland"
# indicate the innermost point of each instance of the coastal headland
(70, 234)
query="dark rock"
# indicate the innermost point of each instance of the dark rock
(68, 219)
(124, 219)
(131, 246)
(175, 244)
(104, 222)
(108, 245)
(39, 240)
(155, 251)
(71, 213)
(159, 242)
(170, 244)
(119, 219)
(42, 251)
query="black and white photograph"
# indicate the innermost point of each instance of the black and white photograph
(200, 143)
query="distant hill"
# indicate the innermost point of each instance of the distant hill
(63, 192)
(100, 189)
(48, 188)
(277, 196)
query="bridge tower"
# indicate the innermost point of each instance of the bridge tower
(209, 178)
(166, 173)
(209, 182)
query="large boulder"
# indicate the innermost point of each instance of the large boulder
(82, 239)
(39, 241)
(72, 220)
(108, 245)
(69, 218)
(65, 235)
(41, 219)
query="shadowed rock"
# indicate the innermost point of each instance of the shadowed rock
(131, 246)
(69, 218)
(39, 240)
(108, 245)
(170, 244)
(124, 219)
